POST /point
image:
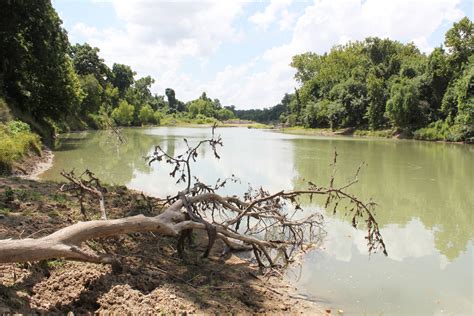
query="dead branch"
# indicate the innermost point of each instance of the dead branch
(273, 225)
(80, 186)
(115, 131)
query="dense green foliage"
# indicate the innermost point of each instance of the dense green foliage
(383, 84)
(16, 139)
(373, 84)
(55, 86)
(36, 74)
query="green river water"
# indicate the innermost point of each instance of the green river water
(424, 191)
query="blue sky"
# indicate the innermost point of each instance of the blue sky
(240, 51)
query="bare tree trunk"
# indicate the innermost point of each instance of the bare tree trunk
(66, 242)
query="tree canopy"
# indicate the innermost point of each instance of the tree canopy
(383, 84)
(371, 84)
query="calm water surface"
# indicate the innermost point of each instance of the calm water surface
(424, 191)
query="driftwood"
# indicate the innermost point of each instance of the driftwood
(273, 226)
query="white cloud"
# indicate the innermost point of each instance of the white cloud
(277, 9)
(201, 24)
(157, 36)
(423, 45)
(287, 19)
(84, 30)
(327, 23)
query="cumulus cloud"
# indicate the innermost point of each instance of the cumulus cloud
(327, 23)
(276, 10)
(156, 37)
(202, 25)
(84, 30)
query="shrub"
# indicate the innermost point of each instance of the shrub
(146, 114)
(123, 114)
(16, 140)
(225, 114)
(440, 130)
(201, 119)
(158, 116)
(15, 127)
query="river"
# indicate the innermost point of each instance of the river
(424, 193)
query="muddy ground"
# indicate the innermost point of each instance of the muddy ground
(154, 279)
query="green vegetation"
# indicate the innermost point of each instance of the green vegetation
(55, 86)
(380, 84)
(123, 114)
(375, 84)
(16, 140)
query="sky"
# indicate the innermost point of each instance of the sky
(240, 51)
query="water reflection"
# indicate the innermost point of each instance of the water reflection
(432, 182)
(423, 191)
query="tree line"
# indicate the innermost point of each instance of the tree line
(384, 84)
(372, 84)
(56, 86)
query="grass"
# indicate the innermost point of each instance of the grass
(300, 130)
(16, 140)
(378, 133)
(57, 263)
(440, 130)
(183, 120)
(246, 124)
(28, 195)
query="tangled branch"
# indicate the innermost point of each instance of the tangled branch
(264, 222)
(80, 186)
(272, 225)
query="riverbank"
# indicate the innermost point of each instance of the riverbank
(33, 164)
(210, 123)
(388, 133)
(154, 279)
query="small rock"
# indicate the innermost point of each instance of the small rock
(172, 296)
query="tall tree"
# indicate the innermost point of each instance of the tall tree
(122, 77)
(86, 61)
(403, 105)
(172, 102)
(459, 41)
(36, 73)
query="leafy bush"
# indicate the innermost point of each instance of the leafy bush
(158, 116)
(201, 119)
(403, 105)
(146, 114)
(123, 114)
(16, 127)
(101, 120)
(16, 140)
(440, 130)
(225, 114)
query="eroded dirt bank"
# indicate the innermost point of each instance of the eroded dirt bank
(154, 279)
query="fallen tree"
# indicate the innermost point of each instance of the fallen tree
(273, 226)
